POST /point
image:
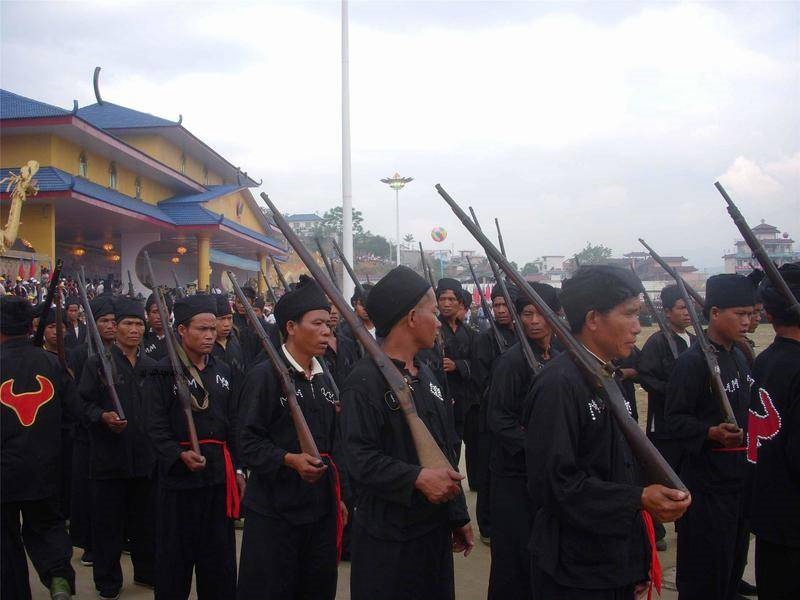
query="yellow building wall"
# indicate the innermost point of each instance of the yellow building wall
(37, 225)
(17, 150)
(226, 205)
(168, 153)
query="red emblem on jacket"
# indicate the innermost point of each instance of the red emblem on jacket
(761, 427)
(27, 404)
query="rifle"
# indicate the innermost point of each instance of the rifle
(181, 387)
(710, 356)
(278, 272)
(38, 338)
(428, 451)
(502, 345)
(360, 288)
(662, 325)
(179, 291)
(600, 379)
(103, 352)
(307, 443)
(62, 358)
(500, 237)
(426, 268)
(759, 252)
(522, 338)
(131, 293)
(326, 261)
(269, 288)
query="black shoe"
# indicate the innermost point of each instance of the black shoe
(87, 559)
(746, 589)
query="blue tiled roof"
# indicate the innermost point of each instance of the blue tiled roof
(190, 214)
(113, 116)
(303, 217)
(14, 106)
(253, 234)
(214, 191)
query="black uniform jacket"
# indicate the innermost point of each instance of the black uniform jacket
(691, 408)
(231, 354)
(654, 366)
(217, 422)
(70, 339)
(382, 460)
(582, 479)
(155, 347)
(249, 340)
(774, 438)
(128, 453)
(341, 362)
(458, 348)
(507, 413)
(36, 394)
(485, 353)
(267, 434)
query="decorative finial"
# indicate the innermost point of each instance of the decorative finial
(97, 85)
(74, 107)
(180, 119)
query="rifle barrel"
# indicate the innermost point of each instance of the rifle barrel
(38, 338)
(662, 325)
(326, 261)
(279, 273)
(350, 271)
(502, 346)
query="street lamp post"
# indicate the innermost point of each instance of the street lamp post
(397, 183)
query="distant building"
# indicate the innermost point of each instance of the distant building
(303, 224)
(779, 247)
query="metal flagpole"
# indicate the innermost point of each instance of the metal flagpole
(347, 193)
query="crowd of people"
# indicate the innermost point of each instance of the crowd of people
(563, 502)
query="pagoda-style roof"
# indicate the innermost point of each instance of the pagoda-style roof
(300, 217)
(765, 228)
(113, 116)
(14, 106)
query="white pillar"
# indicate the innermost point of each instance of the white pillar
(347, 193)
(131, 245)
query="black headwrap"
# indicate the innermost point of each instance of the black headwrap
(127, 308)
(776, 303)
(223, 305)
(597, 287)
(727, 291)
(393, 297)
(102, 305)
(448, 283)
(367, 287)
(151, 300)
(512, 291)
(669, 296)
(466, 299)
(16, 315)
(72, 300)
(305, 297)
(191, 306)
(756, 276)
(546, 291)
(249, 293)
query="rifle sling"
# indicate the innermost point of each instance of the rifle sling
(187, 364)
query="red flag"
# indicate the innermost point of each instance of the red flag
(32, 271)
(476, 297)
(21, 270)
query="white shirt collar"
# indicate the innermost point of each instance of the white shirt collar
(316, 368)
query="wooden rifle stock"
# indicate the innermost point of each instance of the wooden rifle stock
(759, 252)
(662, 324)
(710, 355)
(600, 379)
(428, 451)
(38, 338)
(502, 345)
(327, 262)
(304, 436)
(279, 273)
(182, 387)
(103, 352)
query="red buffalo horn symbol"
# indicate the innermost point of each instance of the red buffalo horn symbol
(27, 404)
(761, 427)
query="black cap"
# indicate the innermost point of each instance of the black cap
(102, 305)
(729, 290)
(151, 300)
(393, 297)
(548, 293)
(72, 300)
(305, 297)
(16, 315)
(223, 305)
(448, 283)
(597, 287)
(775, 303)
(191, 306)
(128, 308)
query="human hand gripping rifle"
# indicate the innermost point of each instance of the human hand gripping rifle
(307, 443)
(600, 379)
(181, 387)
(103, 352)
(38, 338)
(532, 361)
(502, 345)
(710, 355)
(428, 451)
(662, 324)
(759, 252)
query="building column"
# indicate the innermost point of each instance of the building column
(262, 264)
(130, 245)
(203, 261)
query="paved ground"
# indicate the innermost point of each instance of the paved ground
(472, 573)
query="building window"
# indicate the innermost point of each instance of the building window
(205, 175)
(183, 164)
(112, 175)
(83, 166)
(137, 187)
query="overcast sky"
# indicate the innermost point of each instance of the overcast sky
(572, 122)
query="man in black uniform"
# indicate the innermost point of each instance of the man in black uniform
(589, 538)
(198, 494)
(75, 333)
(506, 415)
(713, 534)
(153, 343)
(773, 443)
(226, 346)
(35, 394)
(409, 519)
(293, 524)
(122, 460)
(341, 353)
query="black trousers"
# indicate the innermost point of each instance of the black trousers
(545, 587)
(777, 569)
(418, 569)
(282, 561)
(66, 472)
(472, 453)
(510, 576)
(194, 534)
(674, 452)
(712, 541)
(80, 522)
(44, 535)
(122, 506)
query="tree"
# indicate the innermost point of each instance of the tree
(408, 238)
(530, 269)
(331, 224)
(593, 255)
